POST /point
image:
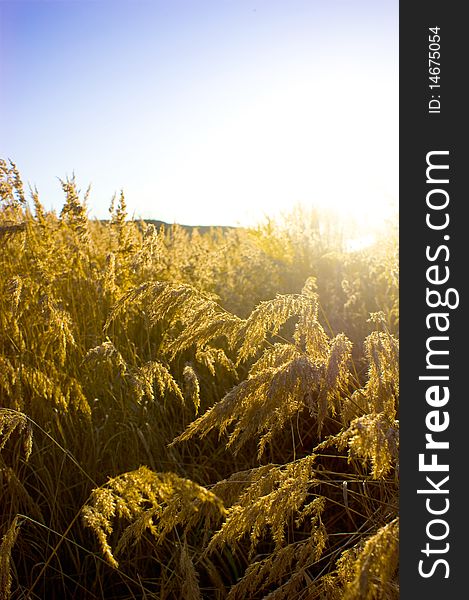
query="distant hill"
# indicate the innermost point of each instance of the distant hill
(200, 228)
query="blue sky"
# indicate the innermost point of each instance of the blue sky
(204, 112)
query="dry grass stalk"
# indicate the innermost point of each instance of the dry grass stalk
(6, 547)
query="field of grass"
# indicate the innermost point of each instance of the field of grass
(192, 414)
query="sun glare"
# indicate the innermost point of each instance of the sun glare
(288, 145)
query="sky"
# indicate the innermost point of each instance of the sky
(205, 112)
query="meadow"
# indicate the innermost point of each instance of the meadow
(191, 414)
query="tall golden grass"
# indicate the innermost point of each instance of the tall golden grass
(194, 415)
